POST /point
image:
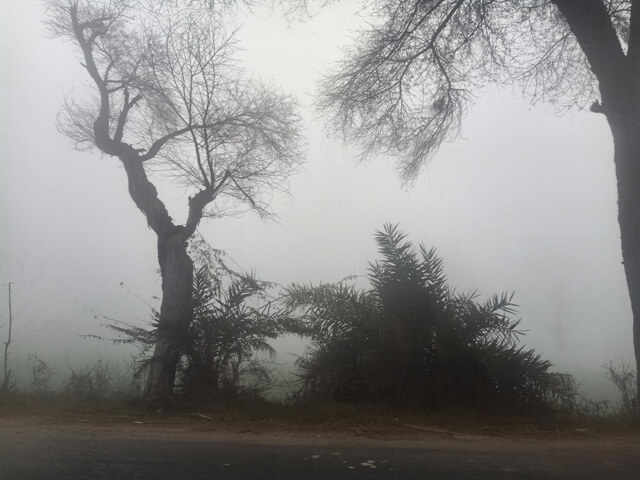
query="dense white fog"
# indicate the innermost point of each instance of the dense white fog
(523, 201)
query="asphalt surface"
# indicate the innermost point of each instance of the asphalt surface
(91, 452)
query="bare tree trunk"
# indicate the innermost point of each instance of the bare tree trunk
(621, 105)
(176, 269)
(175, 315)
(7, 372)
(627, 160)
(618, 74)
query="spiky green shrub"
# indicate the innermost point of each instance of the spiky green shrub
(234, 317)
(233, 320)
(411, 339)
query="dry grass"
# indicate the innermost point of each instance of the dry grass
(328, 418)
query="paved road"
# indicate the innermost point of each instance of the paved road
(91, 452)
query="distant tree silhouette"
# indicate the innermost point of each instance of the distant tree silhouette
(404, 86)
(170, 100)
(411, 339)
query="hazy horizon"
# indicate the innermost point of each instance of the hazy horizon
(524, 201)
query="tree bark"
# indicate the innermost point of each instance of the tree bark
(176, 269)
(627, 160)
(176, 312)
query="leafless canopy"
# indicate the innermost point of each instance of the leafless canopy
(404, 86)
(171, 97)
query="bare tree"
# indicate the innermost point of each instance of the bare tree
(171, 100)
(7, 371)
(406, 83)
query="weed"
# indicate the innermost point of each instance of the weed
(41, 373)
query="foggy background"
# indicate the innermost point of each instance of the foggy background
(524, 201)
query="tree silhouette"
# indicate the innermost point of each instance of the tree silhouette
(406, 83)
(170, 100)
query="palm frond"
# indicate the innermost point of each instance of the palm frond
(413, 338)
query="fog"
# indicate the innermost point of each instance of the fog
(524, 201)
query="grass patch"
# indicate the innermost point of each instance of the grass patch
(323, 418)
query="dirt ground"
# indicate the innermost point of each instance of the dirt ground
(443, 429)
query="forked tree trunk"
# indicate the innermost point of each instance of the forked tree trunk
(175, 315)
(176, 269)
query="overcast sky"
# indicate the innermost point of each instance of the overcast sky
(523, 201)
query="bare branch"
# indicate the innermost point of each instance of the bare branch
(157, 145)
(171, 99)
(403, 87)
(122, 118)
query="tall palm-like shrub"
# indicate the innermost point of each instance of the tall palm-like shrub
(233, 319)
(411, 339)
